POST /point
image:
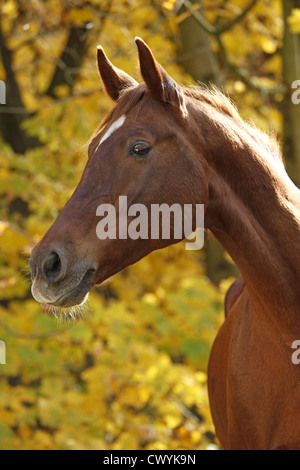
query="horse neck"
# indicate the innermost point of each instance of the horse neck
(254, 211)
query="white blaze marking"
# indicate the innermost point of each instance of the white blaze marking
(115, 125)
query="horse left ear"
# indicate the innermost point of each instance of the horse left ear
(157, 80)
(114, 80)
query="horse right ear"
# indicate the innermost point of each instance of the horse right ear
(158, 81)
(114, 80)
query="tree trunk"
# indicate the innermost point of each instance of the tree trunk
(11, 123)
(291, 111)
(196, 56)
(70, 61)
(200, 62)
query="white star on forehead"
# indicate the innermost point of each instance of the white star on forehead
(115, 125)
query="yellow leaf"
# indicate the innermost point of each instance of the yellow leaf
(81, 15)
(10, 9)
(269, 45)
(3, 226)
(173, 420)
(294, 21)
(169, 4)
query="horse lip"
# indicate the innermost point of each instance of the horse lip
(76, 295)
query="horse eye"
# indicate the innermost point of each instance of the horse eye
(141, 149)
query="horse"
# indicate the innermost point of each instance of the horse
(163, 142)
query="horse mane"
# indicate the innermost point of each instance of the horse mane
(221, 102)
(215, 98)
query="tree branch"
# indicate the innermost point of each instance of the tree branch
(11, 123)
(217, 32)
(212, 29)
(16, 334)
(245, 77)
(199, 17)
(70, 60)
(237, 19)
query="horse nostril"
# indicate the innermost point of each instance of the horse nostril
(52, 266)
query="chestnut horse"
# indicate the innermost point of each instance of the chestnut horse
(166, 143)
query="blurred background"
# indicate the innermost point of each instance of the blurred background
(131, 374)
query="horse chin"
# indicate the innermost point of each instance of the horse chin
(71, 310)
(71, 303)
(64, 299)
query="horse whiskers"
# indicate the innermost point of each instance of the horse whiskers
(25, 270)
(74, 313)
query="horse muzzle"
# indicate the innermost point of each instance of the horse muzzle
(58, 278)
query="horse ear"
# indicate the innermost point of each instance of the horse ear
(114, 80)
(157, 80)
